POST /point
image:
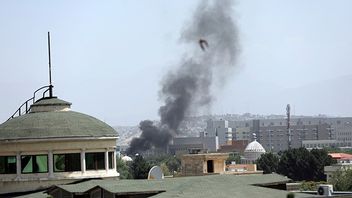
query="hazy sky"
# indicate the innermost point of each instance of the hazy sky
(109, 57)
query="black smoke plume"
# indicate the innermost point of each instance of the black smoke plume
(188, 88)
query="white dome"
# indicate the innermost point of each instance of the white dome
(126, 159)
(253, 151)
(255, 147)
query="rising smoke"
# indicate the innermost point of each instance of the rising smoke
(188, 88)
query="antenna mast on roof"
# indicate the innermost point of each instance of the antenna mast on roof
(50, 83)
(288, 118)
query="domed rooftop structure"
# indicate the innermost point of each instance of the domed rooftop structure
(50, 142)
(253, 151)
(254, 147)
(53, 118)
(45, 143)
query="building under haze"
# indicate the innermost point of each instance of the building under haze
(309, 132)
(219, 128)
(185, 145)
(50, 144)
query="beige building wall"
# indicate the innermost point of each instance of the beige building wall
(197, 164)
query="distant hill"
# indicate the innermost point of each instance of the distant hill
(127, 133)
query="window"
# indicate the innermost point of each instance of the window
(34, 163)
(111, 160)
(7, 164)
(67, 162)
(95, 161)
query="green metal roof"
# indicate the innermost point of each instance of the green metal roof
(50, 101)
(57, 124)
(197, 186)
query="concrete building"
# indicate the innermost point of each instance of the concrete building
(203, 164)
(310, 144)
(242, 133)
(309, 132)
(344, 162)
(219, 128)
(275, 138)
(51, 144)
(185, 145)
(243, 168)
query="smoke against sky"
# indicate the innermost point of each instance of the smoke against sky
(108, 56)
(189, 84)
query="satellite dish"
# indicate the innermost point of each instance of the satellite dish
(156, 173)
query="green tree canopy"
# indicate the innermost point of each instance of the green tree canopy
(174, 164)
(268, 162)
(123, 168)
(342, 180)
(321, 158)
(140, 168)
(301, 164)
(234, 157)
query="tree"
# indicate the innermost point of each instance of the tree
(123, 169)
(174, 164)
(234, 157)
(301, 164)
(165, 169)
(320, 159)
(294, 163)
(140, 168)
(342, 180)
(268, 162)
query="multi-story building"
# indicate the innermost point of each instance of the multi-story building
(185, 145)
(275, 138)
(242, 133)
(309, 132)
(219, 128)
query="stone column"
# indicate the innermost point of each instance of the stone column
(106, 160)
(18, 165)
(83, 161)
(114, 160)
(51, 164)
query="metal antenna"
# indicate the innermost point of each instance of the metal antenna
(288, 114)
(50, 83)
